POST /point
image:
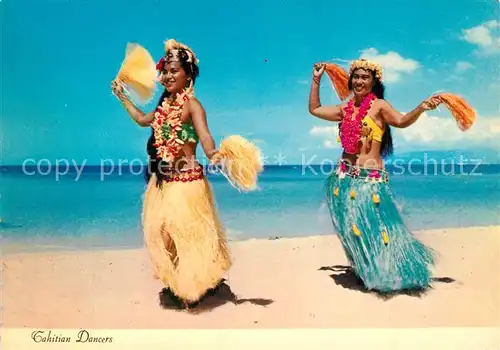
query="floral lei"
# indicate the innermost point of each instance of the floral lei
(167, 124)
(350, 127)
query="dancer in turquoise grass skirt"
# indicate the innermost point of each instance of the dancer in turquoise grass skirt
(383, 253)
(379, 247)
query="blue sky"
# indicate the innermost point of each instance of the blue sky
(59, 57)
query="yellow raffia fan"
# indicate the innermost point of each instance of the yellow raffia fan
(240, 161)
(137, 73)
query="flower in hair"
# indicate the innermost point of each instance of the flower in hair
(161, 64)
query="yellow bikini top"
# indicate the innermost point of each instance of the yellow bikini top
(374, 132)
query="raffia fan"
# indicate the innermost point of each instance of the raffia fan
(240, 162)
(339, 79)
(462, 112)
(138, 72)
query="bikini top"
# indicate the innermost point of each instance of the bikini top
(375, 132)
(188, 133)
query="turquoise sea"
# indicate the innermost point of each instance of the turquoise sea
(39, 211)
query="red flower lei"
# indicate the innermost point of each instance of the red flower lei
(166, 124)
(350, 127)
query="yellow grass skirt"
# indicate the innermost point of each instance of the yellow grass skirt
(184, 236)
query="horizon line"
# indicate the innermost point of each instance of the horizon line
(265, 165)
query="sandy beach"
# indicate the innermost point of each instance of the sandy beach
(281, 283)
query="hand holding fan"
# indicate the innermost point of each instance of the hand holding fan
(339, 79)
(137, 73)
(462, 112)
(240, 162)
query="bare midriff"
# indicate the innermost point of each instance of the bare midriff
(370, 159)
(367, 157)
(186, 159)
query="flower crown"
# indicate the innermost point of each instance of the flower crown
(173, 53)
(368, 65)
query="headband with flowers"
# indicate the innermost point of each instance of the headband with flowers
(174, 52)
(368, 65)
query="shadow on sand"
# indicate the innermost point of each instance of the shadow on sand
(344, 276)
(218, 296)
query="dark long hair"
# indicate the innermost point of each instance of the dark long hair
(154, 163)
(378, 89)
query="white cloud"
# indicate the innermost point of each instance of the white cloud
(394, 65)
(485, 36)
(328, 135)
(430, 132)
(323, 131)
(462, 67)
(331, 144)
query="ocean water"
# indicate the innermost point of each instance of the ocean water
(42, 212)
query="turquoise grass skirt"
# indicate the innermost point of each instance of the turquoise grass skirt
(378, 246)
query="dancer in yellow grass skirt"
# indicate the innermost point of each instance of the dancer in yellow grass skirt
(183, 234)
